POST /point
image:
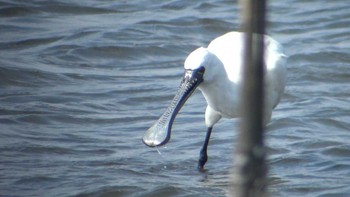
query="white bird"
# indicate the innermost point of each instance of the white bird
(217, 72)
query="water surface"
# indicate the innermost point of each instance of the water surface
(81, 81)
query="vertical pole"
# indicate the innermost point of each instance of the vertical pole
(249, 176)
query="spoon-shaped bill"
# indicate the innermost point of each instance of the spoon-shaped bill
(159, 133)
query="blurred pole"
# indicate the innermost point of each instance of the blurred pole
(249, 176)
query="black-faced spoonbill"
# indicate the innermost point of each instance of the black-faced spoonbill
(217, 72)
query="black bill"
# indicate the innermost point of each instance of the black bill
(159, 133)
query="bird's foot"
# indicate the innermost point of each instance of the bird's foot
(203, 158)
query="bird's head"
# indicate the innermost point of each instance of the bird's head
(195, 73)
(202, 58)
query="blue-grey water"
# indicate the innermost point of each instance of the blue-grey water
(81, 81)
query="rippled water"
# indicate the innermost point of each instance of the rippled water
(81, 81)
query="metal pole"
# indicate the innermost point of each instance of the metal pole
(249, 176)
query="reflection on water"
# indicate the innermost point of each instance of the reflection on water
(82, 81)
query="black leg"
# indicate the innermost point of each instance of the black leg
(203, 156)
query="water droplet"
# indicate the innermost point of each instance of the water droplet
(158, 151)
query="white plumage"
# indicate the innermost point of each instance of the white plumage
(222, 80)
